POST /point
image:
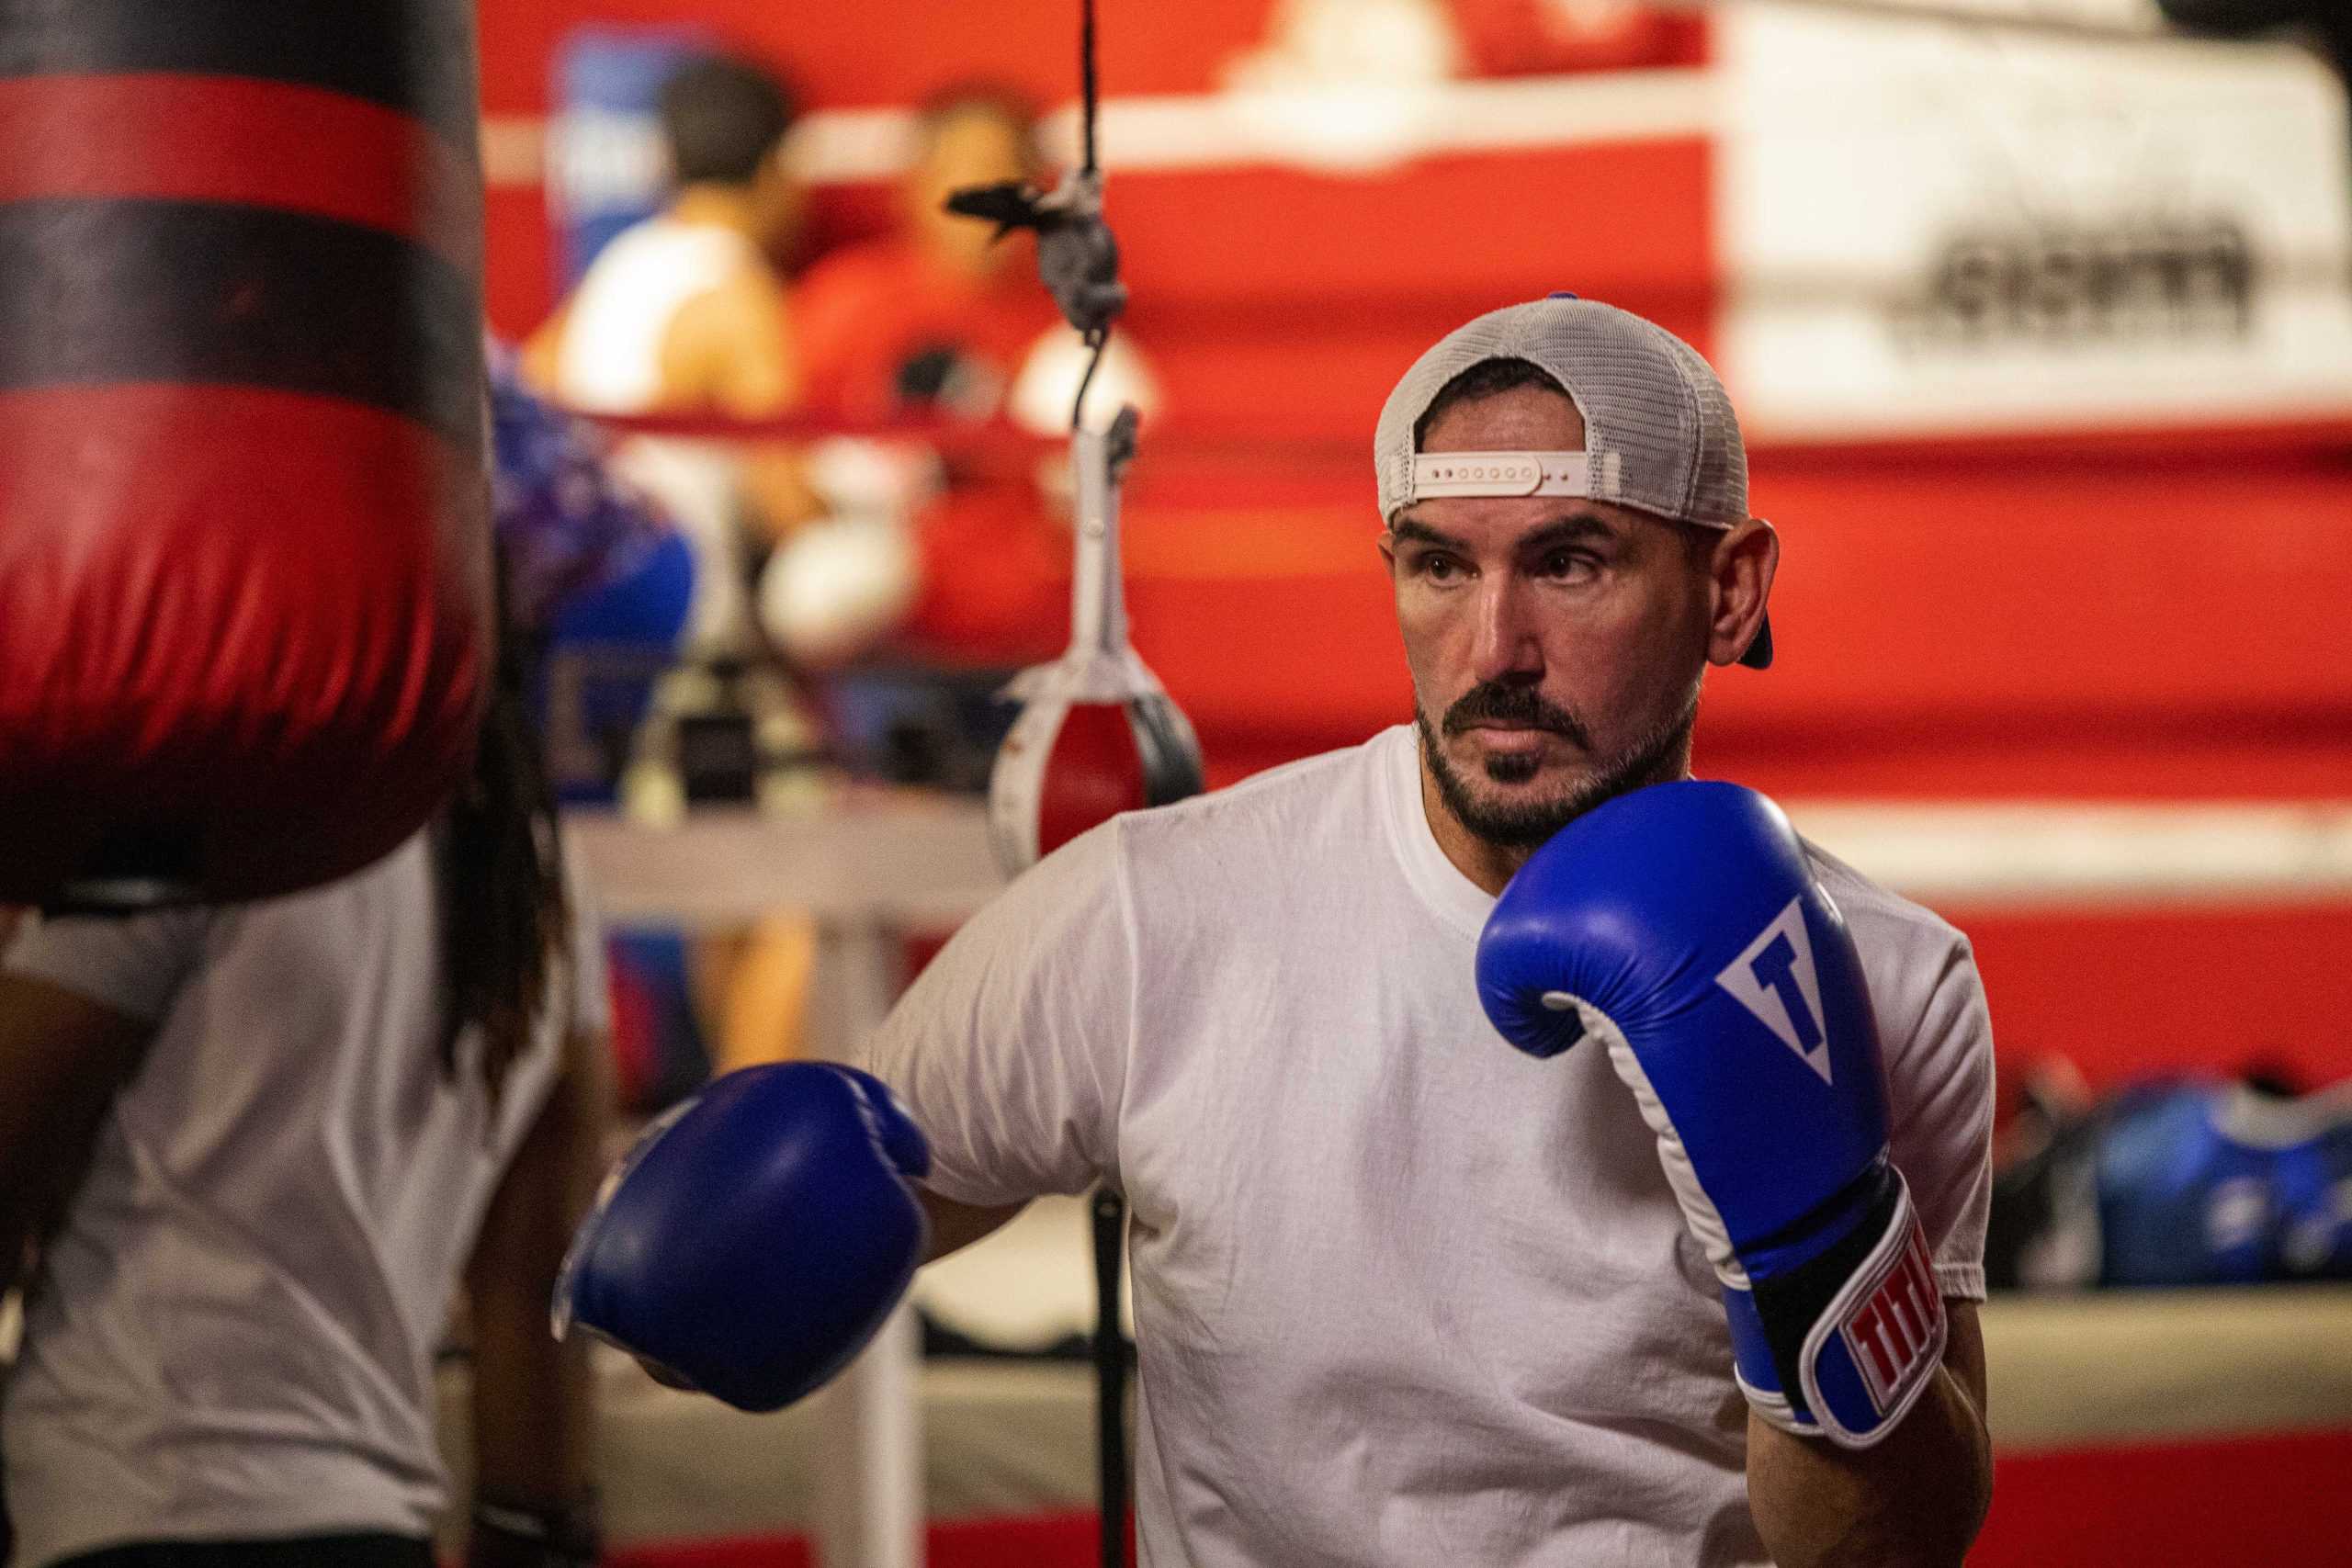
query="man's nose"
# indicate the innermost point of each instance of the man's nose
(1505, 643)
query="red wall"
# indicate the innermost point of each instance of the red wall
(865, 55)
(2125, 993)
(1384, 256)
(891, 52)
(1948, 624)
(2148, 617)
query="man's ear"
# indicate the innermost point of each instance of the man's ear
(1739, 583)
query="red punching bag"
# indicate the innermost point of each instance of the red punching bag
(1097, 735)
(243, 550)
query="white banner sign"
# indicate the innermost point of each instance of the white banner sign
(1936, 227)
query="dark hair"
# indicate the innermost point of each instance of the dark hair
(498, 875)
(1487, 379)
(722, 118)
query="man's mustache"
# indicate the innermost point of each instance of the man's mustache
(1490, 702)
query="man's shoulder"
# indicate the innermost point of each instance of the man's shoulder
(1873, 906)
(1908, 950)
(1297, 807)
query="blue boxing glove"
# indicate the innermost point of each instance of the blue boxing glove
(1680, 928)
(756, 1236)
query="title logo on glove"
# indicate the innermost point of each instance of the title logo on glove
(1773, 977)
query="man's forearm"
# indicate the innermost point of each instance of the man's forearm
(533, 1402)
(533, 1407)
(1914, 1500)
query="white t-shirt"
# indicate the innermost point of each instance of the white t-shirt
(610, 355)
(233, 1334)
(1403, 1295)
(609, 359)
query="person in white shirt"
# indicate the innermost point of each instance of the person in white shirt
(687, 313)
(1404, 1295)
(250, 1153)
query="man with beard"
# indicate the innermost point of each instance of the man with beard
(1404, 1295)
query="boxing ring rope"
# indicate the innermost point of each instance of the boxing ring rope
(997, 448)
(997, 444)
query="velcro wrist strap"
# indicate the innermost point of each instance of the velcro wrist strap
(1870, 1356)
(1855, 1335)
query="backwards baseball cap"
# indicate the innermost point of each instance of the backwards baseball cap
(1659, 434)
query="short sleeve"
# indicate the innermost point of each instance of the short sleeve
(133, 965)
(1941, 1090)
(1010, 1049)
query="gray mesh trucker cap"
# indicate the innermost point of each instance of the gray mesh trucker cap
(1660, 434)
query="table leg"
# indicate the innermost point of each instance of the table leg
(869, 1504)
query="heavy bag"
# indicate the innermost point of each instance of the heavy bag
(244, 553)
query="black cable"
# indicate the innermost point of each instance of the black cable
(1086, 80)
(1089, 96)
(1109, 1375)
(1110, 1209)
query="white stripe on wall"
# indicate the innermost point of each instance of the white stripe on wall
(1340, 128)
(2097, 852)
(929, 861)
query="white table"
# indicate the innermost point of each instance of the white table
(872, 866)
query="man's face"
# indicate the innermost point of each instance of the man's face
(976, 145)
(1556, 643)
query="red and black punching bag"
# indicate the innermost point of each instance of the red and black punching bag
(1097, 735)
(243, 548)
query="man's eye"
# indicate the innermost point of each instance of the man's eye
(1440, 567)
(1565, 563)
